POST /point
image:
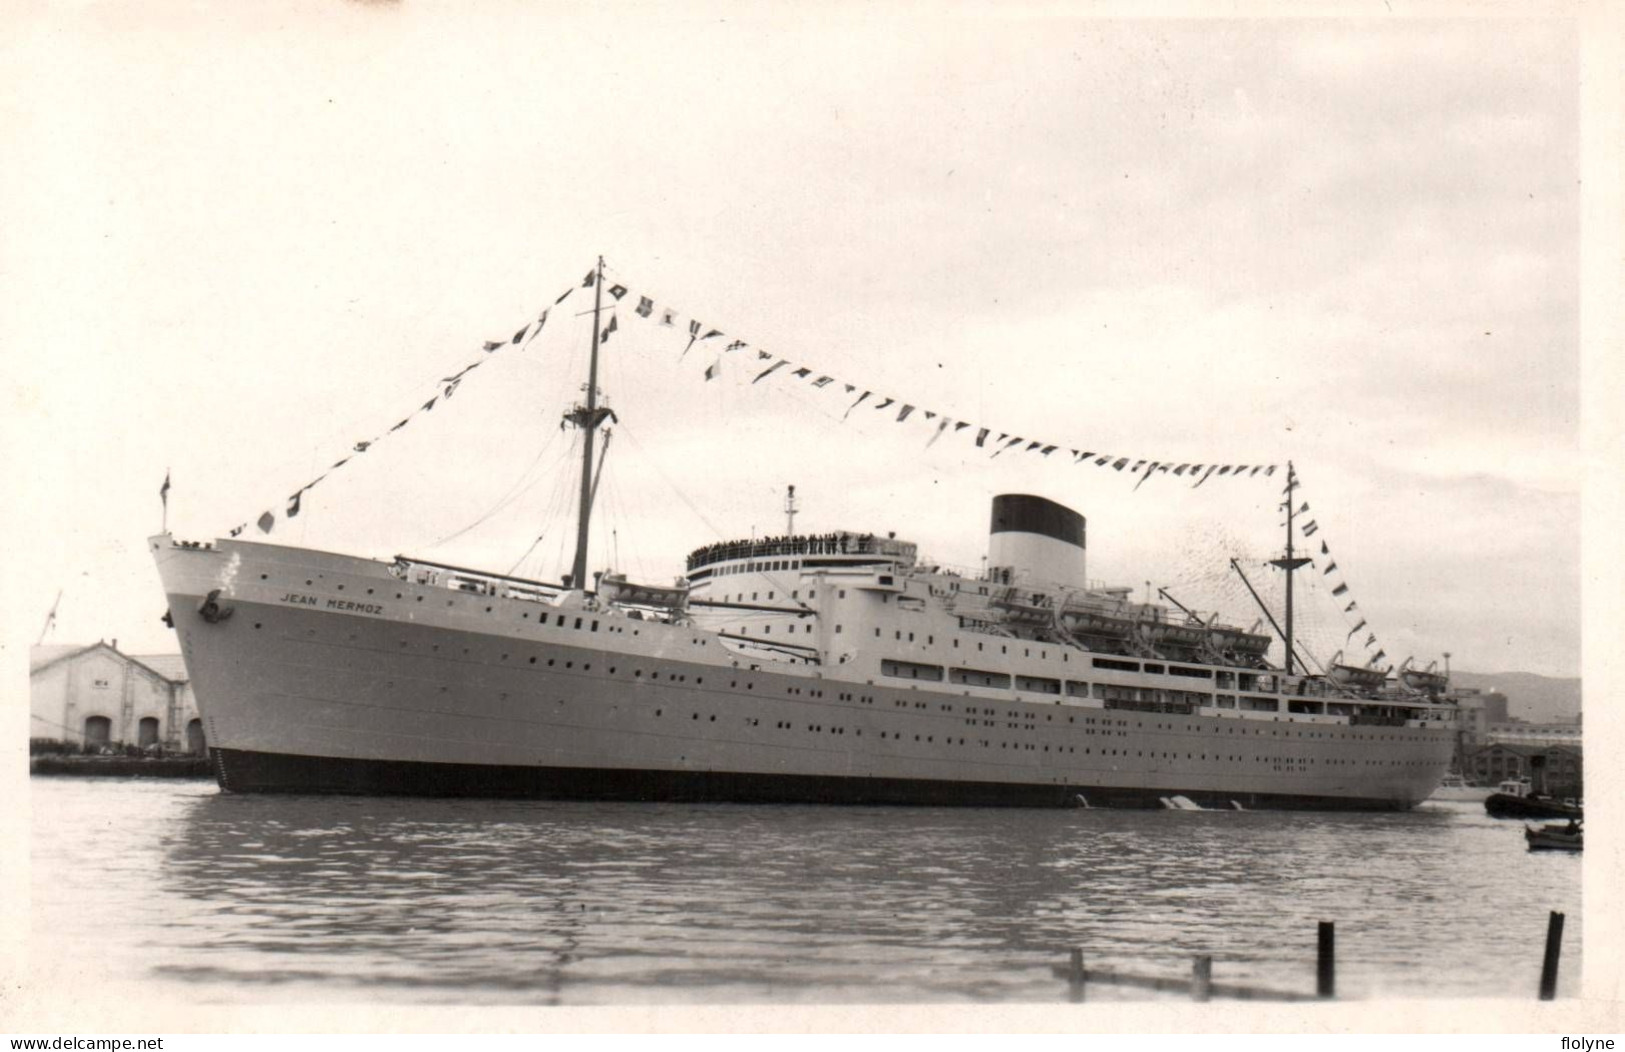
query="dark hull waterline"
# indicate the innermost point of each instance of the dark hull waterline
(242, 771)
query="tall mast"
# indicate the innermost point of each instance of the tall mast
(790, 512)
(1289, 563)
(588, 421)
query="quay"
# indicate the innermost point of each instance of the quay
(121, 766)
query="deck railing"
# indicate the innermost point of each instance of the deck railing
(811, 544)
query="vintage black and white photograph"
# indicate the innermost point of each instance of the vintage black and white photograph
(897, 507)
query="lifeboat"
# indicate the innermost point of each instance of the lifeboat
(1428, 680)
(1087, 624)
(1359, 678)
(615, 588)
(1237, 641)
(1160, 634)
(1030, 608)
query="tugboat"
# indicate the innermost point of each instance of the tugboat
(1517, 799)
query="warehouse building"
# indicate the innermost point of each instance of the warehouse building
(97, 698)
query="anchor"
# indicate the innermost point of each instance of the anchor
(212, 610)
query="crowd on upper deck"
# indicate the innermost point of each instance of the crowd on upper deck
(838, 543)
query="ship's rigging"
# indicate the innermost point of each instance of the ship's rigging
(878, 677)
(591, 415)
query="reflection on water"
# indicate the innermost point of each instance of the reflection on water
(227, 898)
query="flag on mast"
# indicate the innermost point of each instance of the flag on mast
(50, 619)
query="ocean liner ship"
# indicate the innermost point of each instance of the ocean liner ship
(830, 668)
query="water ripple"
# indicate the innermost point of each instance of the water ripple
(242, 898)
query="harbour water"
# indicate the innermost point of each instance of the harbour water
(212, 898)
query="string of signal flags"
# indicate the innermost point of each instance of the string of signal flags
(769, 365)
(996, 441)
(444, 389)
(1340, 591)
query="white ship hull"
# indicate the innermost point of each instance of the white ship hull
(326, 673)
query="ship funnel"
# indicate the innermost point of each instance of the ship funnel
(1034, 541)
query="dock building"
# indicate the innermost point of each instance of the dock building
(98, 698)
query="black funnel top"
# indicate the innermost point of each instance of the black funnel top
(1024, 513)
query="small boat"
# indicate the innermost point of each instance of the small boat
(1456, 789)
(1569, 837)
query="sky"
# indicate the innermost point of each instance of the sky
(241, 240)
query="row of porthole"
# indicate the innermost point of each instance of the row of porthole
(678, 677)
(692, 715)
(818, 728)
(638, 673)
(1004, 648)
(594, 628)
(930, 739)
(489, 609)
(587, 667)
(1287, 734)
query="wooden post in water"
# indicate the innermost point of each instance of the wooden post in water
(1554, 947)
(1074, 979)
(1326, 962)
(1202, 978)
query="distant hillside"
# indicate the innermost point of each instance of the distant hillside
(1538, 699)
